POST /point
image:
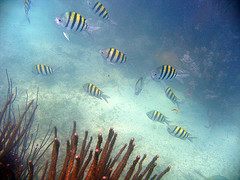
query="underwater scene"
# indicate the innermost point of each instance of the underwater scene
(120, 89)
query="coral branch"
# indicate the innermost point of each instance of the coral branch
(139, 167)
(44, 171)
(52, 170)
(116, 174)
(65, 165)
(130, 171)
(164, 172)
(31, 169)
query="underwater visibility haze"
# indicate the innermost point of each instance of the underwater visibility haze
(164, 72)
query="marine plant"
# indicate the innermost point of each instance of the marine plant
(18, 149)
(99, 164)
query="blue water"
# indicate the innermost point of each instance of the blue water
(198, 37)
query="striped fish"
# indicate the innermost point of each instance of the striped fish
(164, 72)
(74, 22)
(139, 86)
(42, 69)
(113, 55)
(179, 132)
(94, 91)
(157, 116)
(169, 93)
(100, 10)
(27, 5)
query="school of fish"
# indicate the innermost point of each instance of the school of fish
(72, 21)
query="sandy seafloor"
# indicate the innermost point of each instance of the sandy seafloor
(62, 99)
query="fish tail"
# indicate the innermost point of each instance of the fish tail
(177, 103)
(28, 19)
(105, 97)
(181, 76)
(112, 22)
(191, 139)
(167, 122)
(90, 29)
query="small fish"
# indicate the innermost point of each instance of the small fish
(100, 10)
(75, 22)
(42, 69)
(169, 93)
(157, 116)
(139, 86)
(166, 72)
(94, 91)
(175, 110)
(27, 5)
(179, 132)
(113, 55)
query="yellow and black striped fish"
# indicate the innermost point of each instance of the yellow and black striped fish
(42, 69)
(163, 72)
(169, 93)
(157, 116)
(113, 55)
(179, 132)
(74, 22)
(94, 91)
(27, 5)
(100, 10)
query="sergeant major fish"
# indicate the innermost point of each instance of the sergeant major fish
(157, 116)
(179, 133)
(113, 55)
(166, 72)
(75, 22)
(100, 10)
(94, 91)
(27, 5)
(42, 69)
(169, 93)
(139, 86)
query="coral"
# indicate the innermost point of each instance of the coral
(102, 165)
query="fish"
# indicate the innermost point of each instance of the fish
(94, 91)
(75, 22)
(27, 5)
(157, 116)
(100, 10)
(113, 55)
(179, 132)
(175, 110)
(42, 69)
(166, 72)
(139, 86)
(170, 95)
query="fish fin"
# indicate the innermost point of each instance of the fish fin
(167, 122)
(66, 35)
(112, 22)
(28, 19)
(105, 97)
(90, 29)
(177, 103)
(191, 139)
(181, 76)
